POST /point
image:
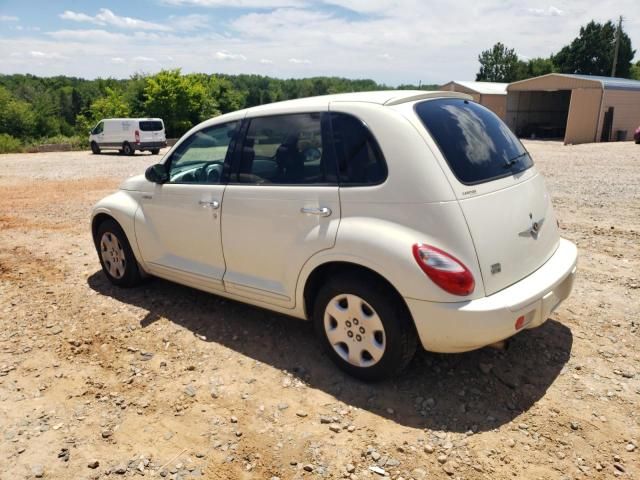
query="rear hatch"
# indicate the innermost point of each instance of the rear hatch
(151, 131)
(503, 198)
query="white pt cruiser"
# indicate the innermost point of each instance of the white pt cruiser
(387, 218)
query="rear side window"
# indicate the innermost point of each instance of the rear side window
(476, 144)
(287, 150)
(360, 161)
(150, 125)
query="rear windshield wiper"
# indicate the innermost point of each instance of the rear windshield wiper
(512, 162)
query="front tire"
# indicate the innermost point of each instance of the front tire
(127, 149)
(364, 326)
(95, 149)
(155, 151)
(116, 257)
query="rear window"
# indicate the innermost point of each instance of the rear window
(150, 125)
(476, 144)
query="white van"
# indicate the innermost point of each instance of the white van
(128, 135)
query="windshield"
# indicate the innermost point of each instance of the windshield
(476, 144)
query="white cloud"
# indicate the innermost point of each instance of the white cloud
(224, 55)
(391, 41)
(305, 61)
(143, 59)
(88, 35)
(550, 11)
(107, 17)
(117, 60)
(46, 55)
(8, 18)
(194, 21)
(266, 4)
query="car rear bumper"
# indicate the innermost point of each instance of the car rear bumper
(464, 326)
(149, 145)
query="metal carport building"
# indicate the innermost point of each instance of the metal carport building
(575, 108)
(490, 94)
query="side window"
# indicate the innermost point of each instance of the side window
(201, 157)
(287, 150)
(360, 161)
(98, 128)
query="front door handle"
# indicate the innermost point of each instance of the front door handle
(210, 204)
(321, 211)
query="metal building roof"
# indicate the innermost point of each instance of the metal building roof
(483, 88)
(608, 83)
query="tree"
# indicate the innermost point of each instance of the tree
(16, 116)
(498, 64)
(591, 52)
(634, 73)
(112, 105)
(539, 66)
(181, 101)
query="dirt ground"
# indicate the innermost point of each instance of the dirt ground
(170, 382)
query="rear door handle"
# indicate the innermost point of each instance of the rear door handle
(321, 211)
(210, 204)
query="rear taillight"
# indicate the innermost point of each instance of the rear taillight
(137, 136)
(444, 270)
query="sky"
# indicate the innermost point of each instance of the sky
(389, 41)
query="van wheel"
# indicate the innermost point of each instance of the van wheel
(95, 148)
(127, 149)
(116, 257)
(365, 328)
(155, 151)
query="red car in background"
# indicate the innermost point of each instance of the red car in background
(636, 136)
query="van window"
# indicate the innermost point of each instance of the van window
(287, 150)
(476, 144)
(360, 161)
(98, 128)
(150, 125)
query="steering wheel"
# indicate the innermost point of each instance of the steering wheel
(311, 154)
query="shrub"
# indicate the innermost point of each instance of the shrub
(8, 144)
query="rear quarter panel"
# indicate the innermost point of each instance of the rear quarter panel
(415, 204)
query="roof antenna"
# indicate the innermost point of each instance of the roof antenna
(617, 47)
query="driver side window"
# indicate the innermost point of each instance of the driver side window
(200, 158)
(98, 128)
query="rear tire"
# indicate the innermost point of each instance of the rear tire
(116, 257)
(95, 148)
(127, 149)
(155, 151)
(364, 326)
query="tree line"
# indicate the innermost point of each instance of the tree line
(63, 109)
(590, 53)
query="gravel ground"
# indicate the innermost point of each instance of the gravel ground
(97, 381)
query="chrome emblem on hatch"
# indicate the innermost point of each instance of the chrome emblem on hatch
(534, 229)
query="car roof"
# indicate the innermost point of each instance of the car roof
(322, 103)
(130, 119)
(380, 97)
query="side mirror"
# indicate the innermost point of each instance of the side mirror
(157, 173)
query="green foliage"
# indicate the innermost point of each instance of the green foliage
(8, 144)
(63, 109)
(591, 52)
(498, 64)
(634, 72)
(539, 66)
(111, 105)
(180, 100)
